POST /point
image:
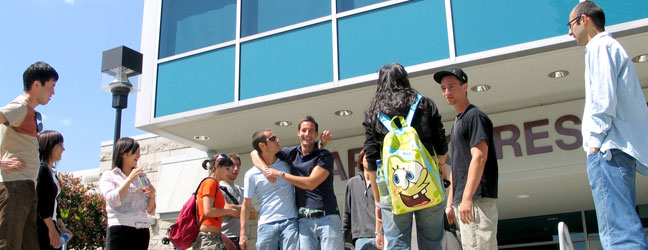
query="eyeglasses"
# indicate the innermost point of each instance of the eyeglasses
(39, 122)
(571, 22)
(272, 139)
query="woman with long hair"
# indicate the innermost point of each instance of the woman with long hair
(128, 198)
(394, 96)
(49, 223)
(212, 206)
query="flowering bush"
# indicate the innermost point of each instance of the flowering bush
(83, 210)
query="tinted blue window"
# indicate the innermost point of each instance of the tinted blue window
(409, 33)
(194, 82)
(485, 25)
(617, 12)
(191, 24)
(263, 15)
(344, 5)
(286, 61)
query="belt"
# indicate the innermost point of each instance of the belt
(316, 214)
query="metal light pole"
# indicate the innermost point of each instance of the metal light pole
(121, 63)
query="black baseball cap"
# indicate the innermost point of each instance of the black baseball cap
(457, 72)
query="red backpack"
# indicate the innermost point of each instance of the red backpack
(184, 231)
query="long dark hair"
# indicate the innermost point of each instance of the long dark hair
(47, 140)
(217, 160)
(394, 95)
(124, 145)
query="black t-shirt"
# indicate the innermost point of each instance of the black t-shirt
(323, 196)
(471, 127)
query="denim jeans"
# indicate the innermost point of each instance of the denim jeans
(324, 232)
(278, 235)
(366, 244)
(398, 228)
(613, 189)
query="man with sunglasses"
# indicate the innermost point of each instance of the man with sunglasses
(277, 224)
(614, 125)
(19, 125)
(320, 226)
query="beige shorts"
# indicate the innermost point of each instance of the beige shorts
(482, 232)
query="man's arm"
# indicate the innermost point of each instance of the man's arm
(449, 210)
(259, 163)
(479, 154)
(603, 94)
(346, 218)
(310, 182)
(245, 216)
(12, 163)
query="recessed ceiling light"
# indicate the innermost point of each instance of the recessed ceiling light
(640, 58)
(343, 112)
(283, 123)
(201, 138)
(522, 196)
(558, 74)
(480, 88)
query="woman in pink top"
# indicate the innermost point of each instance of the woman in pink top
(127, 200)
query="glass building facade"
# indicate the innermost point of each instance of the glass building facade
(219, 56)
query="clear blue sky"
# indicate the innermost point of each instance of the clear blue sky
(70, 35)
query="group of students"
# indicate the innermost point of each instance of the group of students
(294, 185)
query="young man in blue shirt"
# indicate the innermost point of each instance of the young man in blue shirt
(277, 225)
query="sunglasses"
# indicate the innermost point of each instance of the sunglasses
(221, 156)
(39, 122)
(272, 139)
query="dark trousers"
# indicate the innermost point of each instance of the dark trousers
(125, 237)
(18, 215)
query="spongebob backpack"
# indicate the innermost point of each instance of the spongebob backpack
(411, 173)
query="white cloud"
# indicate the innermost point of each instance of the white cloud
(71, 2)
(66, 122)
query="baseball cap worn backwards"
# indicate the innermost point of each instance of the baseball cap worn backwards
(457, 72)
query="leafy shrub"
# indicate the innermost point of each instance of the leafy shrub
(83, 211)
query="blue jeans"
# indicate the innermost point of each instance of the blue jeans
(398, 228)
(324, 232)
(366, 244)
(278, 235)
(613, 189)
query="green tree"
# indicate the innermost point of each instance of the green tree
(83, 211)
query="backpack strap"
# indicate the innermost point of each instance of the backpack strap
(224, 189)
(196, 194)
(410, 114)
(386, 121)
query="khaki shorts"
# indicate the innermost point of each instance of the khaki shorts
(482, 232)
(18, 215)
(208, 241)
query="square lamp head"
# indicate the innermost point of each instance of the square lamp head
(119, 64)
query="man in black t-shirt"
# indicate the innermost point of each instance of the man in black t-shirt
(473, 192)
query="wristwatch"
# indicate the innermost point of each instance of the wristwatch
(281, 174)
